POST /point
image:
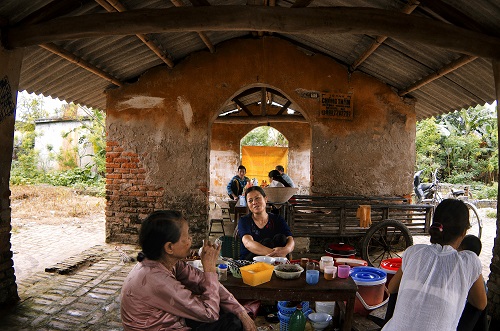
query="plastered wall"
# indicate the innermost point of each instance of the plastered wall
(166, 117)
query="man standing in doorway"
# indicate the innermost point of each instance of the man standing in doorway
(237, 184)
(285, 176)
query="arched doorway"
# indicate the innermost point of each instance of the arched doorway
(251, 108)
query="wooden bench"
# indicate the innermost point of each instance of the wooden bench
(331, 216)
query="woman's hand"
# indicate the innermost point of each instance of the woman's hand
(248, 323)
(279, 251)
(209, 256)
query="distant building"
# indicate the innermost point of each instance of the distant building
(61, 143)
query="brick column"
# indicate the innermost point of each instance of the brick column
(10, 69)
(129, 198)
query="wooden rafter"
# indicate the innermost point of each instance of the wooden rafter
(203, 35)
(260, 119)
(276, 19)
(80, 62)
(439, 73)
(452, 15)
(301, 3)
(54, 9)
(379, 40)
(243, 107)
(263, 101)
(285, 107)
(116, 5)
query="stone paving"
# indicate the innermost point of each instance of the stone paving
(85, 300)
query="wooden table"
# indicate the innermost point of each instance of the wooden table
(277, 289)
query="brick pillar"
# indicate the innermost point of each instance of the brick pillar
(10, 69)
(129, 199)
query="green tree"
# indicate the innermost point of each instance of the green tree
(264, 136)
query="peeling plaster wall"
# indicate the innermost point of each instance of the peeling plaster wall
(166, 119)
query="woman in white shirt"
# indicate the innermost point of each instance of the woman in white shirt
(435, 280)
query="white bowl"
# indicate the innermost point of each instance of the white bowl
(279, 194)
(319, 321)
(264, 258)
(280, 260)
(288, 271)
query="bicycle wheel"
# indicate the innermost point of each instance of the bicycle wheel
(476, 224)
(385, 240)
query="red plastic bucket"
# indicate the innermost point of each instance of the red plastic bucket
(341, 250)
(372, 292)
(391, 266)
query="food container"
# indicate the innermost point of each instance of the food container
(257, 273)
(350, 262)
(288, 271)
(391, 266)
(372, 292)
(341, 250)
(325, 262)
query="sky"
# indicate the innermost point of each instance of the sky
(49, 104)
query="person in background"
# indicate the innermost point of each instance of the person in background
(163, 292)
(285, 176)
(472, 318)
(276, 179)
(263, 233)
(435, 280)
(237, 184)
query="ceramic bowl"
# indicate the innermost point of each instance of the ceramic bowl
(288, 271)
(319, 321)
(265, 259)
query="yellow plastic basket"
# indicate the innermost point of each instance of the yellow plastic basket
(257, 273)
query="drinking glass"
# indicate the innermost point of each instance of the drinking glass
(343, 271)
(311, 266)
(329, 272)
(312, 277)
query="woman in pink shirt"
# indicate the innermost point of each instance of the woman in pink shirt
(163, 292)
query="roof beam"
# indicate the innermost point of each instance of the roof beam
(439, 73)
(144, 38)
(408, 8)
(260, 119)
(54, 9)
(203, 35)
(80, 62)
(301, 3)
(274, 19)
(243, 107)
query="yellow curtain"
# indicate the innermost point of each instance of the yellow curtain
(259, 160)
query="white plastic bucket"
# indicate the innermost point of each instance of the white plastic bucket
(325, 307)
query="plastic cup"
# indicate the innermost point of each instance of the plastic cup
(330, 272)
(343, 270)
(311, 266)
(303, 262)
(312, 277)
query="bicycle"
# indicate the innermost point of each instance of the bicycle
(475, 220)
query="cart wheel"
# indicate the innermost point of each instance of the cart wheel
(384, 240)
(476, 224)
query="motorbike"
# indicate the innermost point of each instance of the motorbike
(426, 192)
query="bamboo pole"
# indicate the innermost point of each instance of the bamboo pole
(114, 5)
(260, 119)
(463, 60)
(408, 9)
(80, 62)
(203, 35)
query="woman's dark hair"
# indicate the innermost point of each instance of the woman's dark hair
(275, 175)
(255, 188)
(157, 229)
(451, 219)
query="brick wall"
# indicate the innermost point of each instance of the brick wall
(129, 198)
